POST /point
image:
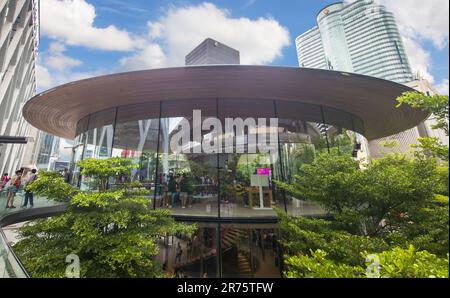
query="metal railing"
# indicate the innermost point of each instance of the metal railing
(10, 265)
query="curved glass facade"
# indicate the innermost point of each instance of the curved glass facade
(237, 234)
(220, 183)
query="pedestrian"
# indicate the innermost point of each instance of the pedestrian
(4, 181)
(66, 175)
(179, 253)
(28, 193)
(189, 249)
(172, 187)
(14, 185)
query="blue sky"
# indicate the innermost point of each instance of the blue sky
(83, 38)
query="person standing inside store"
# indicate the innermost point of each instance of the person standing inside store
(186, 190)
(29, 194)
(13, 188)
(179, 253)
(172, 189)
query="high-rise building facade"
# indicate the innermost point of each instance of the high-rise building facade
(212, 52)
(361, 37)
(19, 38)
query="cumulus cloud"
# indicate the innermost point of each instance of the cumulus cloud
(56, 59)
(419, 58)
(43, 78)
(442, 88)
(47, 78)
(174, 35)
(55, 68)
(72, 22)
(151, 56)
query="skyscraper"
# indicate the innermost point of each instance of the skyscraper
(19, 38)
(211, 52)
(361, 37)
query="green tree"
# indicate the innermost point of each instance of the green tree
(425, 227)
(435, 104)
(407, 263)
(300, 236)
(395, 263)
(101, 170)
(364, 200)
(52, 186)
(113, 232)
(438, 106)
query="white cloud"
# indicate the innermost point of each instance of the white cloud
(43, 78)
(47, 78)
(151, 56)
(54, 68)
(175, 34)
(443, 88)
(72, 21)
(56, 59)
(419, 58)
(424, 20)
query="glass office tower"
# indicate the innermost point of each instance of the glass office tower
(361, 37)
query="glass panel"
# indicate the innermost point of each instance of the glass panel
(196, 256)
(99, 138)
(77, 153)
(100, 134)
(9, 265)
(188, 175)
(300, 142)
(136, 137)
(339, 134)
(248, 158)
(250, 251)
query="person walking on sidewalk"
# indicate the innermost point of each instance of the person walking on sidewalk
(29, 194)
(13, 188)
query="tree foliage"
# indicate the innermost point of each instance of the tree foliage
(389, 208)
(435, 104)
(113, 232)
(438, 106)
(52, 186)
(394, 263)
(103, 169)
(363, 199)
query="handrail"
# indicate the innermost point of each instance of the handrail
(16, 262)
(13, 267)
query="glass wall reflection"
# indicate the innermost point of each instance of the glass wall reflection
(194, 168)
(250, 251)
(188, 177)
(190, 256)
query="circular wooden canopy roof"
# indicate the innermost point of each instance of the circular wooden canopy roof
(58, 110)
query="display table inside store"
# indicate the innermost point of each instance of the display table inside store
(252, 191)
